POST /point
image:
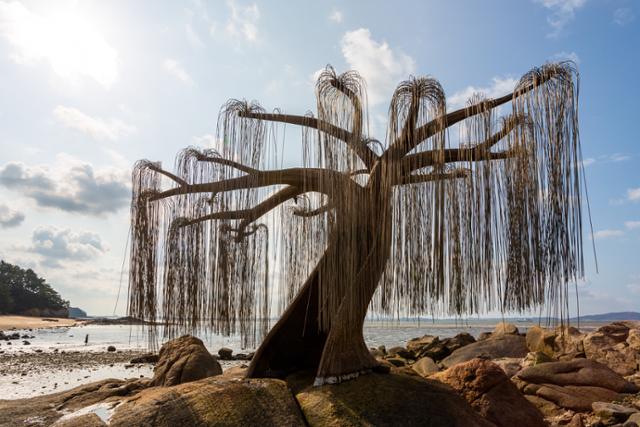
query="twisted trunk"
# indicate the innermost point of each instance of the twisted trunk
(297, 341)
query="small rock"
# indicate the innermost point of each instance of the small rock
(612, 412)
(26, 343)
(38, 350)
(425, 367)
(225, 353)
(397, 361)
(400, 351)
(145, 358)
(484, 336)
(504, 328)
(634, 418)
(111, 349)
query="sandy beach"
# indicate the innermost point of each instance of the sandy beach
(26, 322)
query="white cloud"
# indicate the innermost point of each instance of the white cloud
(564, 56)
(243, 22)
(55, 244)
(623, 16)
(381, 67)
(563, 12)
(95, 127)
(617, 157)
(499, 86)
(71, 186)
(67, 41)
(607, 234)
(632, 225)
(9, 217)
(633, 194)
(175, 69)
(588, 162)
(336, 16)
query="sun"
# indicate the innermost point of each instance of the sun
(68, 40)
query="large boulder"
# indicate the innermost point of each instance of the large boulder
(436, 348)
(387, 400)
(560, 343)
(494, 347)
(615, 345)
(486, 387)
(182, 360)
(574, 384)
(211, 401)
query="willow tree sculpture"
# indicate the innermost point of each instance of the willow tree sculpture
(435, 221)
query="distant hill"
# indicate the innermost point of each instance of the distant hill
(23, 292)
(607, 317)
(77, 313)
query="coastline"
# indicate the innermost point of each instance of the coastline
(11, 322)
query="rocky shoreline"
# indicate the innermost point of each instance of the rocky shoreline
(546, 377)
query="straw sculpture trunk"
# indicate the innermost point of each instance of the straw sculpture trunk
(453, 213)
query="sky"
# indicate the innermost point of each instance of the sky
(89, 87)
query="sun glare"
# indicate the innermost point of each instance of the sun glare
(67, 40)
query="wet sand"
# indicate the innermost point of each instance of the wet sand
(26, 322)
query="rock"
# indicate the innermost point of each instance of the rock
(576, 421)
(566, 343)
(145, 358)
(634, 418)
(243, 356)
(49, 408)
(633, 339)
(459, 341)
(111, 349)
(376, 353)
(402, 352)
(386, 400)
(26, 343)
(425, 367)
(611, 412)
(536, 358)
(578, 372)
(225, 353)
(572, 384)
(86, 420)
(182, 360)
(484, 336)
(437, 349)
(486, 387)
(610, 345)
(212, 401)
(510, 365)
(397, 361)
(492, 348)
(416, 344)
(504, 328)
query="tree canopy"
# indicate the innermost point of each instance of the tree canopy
(22, 290)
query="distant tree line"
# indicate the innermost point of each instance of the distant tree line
(22, 290)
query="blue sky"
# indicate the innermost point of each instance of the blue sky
(88, 87)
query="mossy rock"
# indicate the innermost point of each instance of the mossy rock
(387, 400)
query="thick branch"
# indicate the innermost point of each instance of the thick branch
(478, 152)
(438, 124)
(248, 215)
(313, 212)
(227, 162)
(169, 175)
(306, 179)
(354, 142)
